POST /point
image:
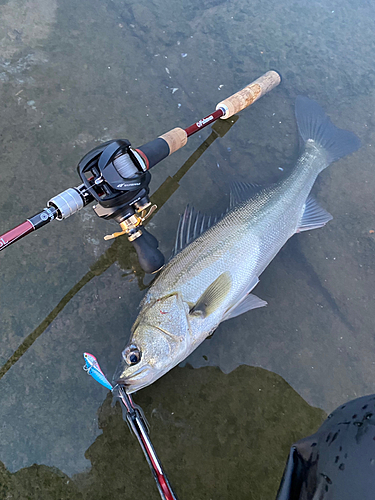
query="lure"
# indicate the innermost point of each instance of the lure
(92, 368)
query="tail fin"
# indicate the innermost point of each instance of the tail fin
(314, 124)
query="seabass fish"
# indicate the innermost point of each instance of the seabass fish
(216, 266)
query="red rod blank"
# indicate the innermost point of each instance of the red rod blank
(207, 120)
(15, 234)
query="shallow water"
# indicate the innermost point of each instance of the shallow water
(74, 74)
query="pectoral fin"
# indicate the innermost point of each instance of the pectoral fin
(314, 216)
(250, 302)
(213, 296)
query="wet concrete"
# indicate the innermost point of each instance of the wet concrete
(75, 74)
(237, 433)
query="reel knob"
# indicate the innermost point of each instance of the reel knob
(150, 257)
(145, 244)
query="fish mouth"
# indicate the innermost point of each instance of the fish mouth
(135, 381)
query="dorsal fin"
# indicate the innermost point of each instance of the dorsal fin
(191, 225)
(242, 191)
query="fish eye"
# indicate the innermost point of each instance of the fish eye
(132, 355)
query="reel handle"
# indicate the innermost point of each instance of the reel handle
(150, 257)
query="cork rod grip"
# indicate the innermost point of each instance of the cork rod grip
(175, 138)
(251, 93)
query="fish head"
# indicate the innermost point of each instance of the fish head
(157, 343)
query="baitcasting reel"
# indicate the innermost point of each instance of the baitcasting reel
(115, 175)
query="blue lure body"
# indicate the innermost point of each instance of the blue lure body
(92, 368)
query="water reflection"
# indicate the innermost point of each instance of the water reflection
(214, 441)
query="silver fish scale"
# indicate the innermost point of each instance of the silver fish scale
(243, 243)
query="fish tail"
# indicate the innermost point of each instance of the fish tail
(314, 124)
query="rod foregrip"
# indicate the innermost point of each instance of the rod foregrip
(175, 138)
(251, 93)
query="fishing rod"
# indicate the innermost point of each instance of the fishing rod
(116, 177)
(138, 425)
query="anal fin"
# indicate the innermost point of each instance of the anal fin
(250, 302)
(314, 216)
